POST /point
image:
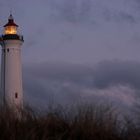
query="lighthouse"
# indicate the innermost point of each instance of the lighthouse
(11, 67)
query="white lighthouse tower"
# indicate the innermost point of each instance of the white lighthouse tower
(11, 71)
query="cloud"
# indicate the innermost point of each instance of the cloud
(81, 31)
(119, 16)
(112, 73)
(93, 11)
(72, 11)
(109, 81)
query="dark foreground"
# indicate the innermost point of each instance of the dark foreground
(77, 123)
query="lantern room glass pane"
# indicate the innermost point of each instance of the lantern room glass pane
(10, 30)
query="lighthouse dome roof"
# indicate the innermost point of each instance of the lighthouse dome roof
(11, 22)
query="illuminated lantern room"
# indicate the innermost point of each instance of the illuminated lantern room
(11, 27)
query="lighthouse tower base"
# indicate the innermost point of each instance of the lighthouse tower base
(11, 73)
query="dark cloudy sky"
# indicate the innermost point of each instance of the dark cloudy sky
(79, 49)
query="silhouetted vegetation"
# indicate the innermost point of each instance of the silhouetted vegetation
(76, 123)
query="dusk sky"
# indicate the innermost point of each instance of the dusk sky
(78, 50)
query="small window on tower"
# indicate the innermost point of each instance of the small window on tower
(4, 50)
(7, 50)
(16, 95)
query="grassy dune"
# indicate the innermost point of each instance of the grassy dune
(75, 123)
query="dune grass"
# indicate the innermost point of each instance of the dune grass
(82, 122)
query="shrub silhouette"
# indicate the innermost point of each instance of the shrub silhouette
(83, 122)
